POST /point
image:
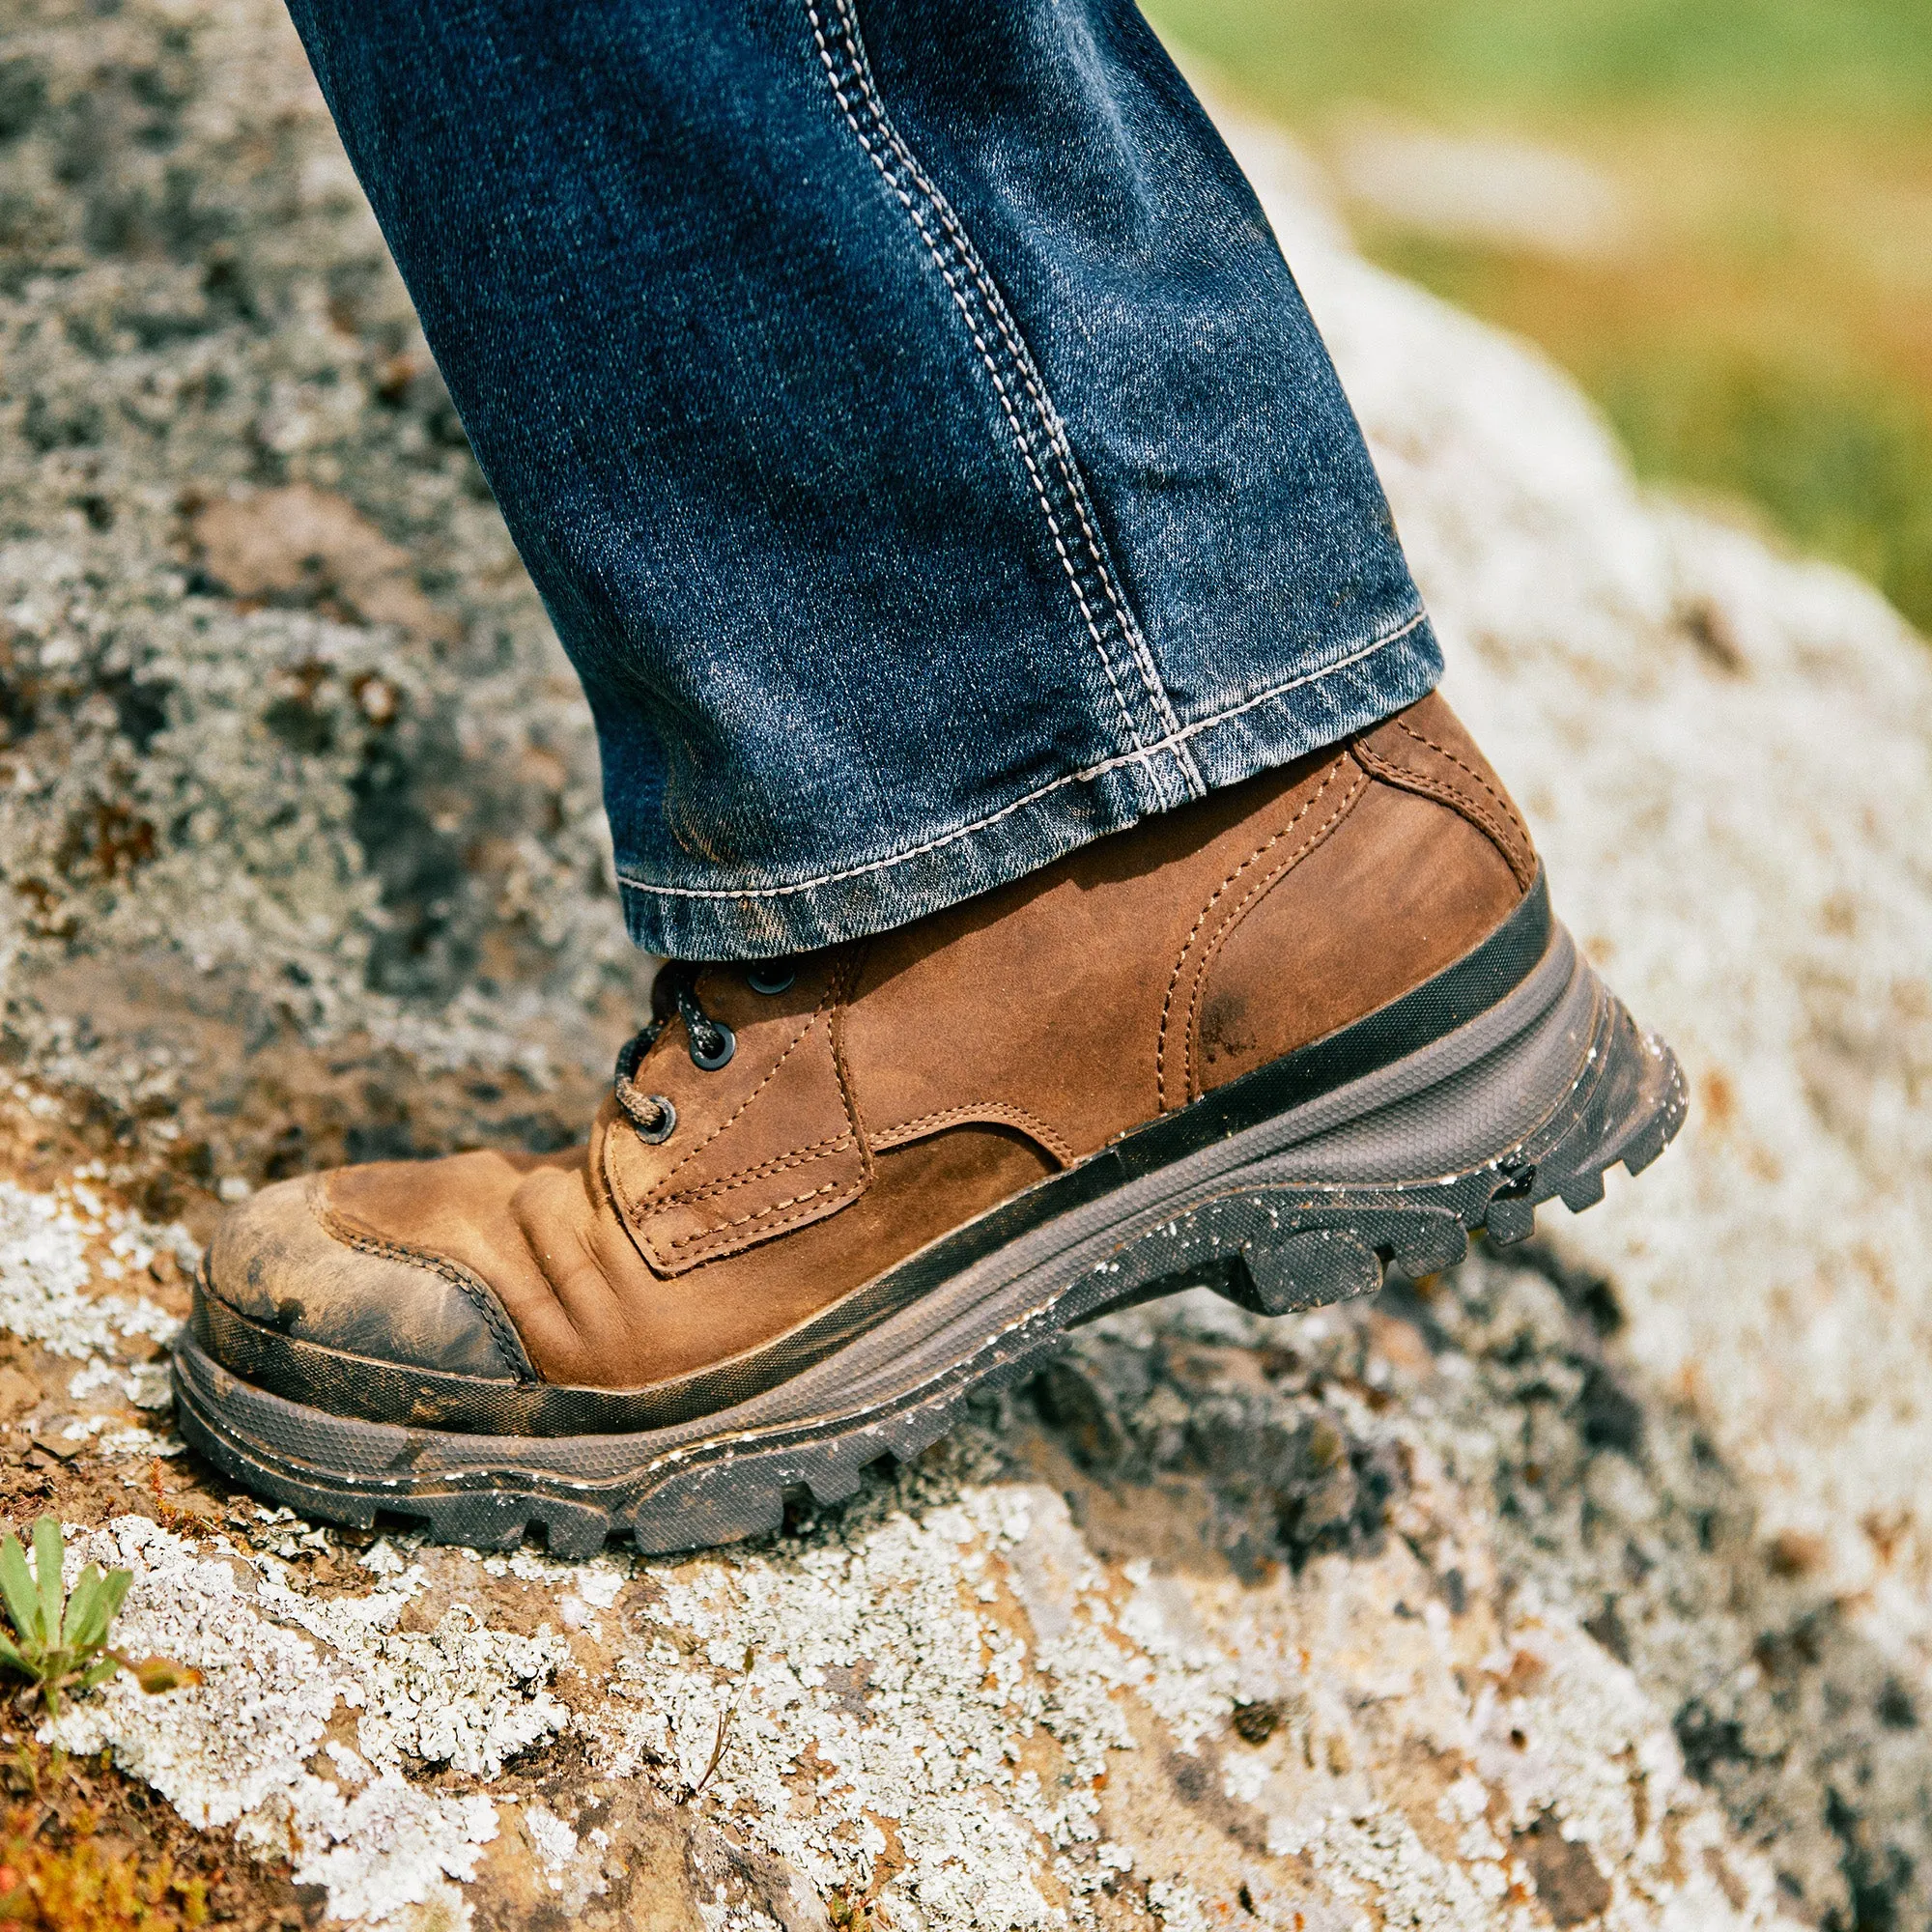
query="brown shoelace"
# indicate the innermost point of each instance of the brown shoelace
(711, 1043)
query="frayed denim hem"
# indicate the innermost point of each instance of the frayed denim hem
(1248, 736)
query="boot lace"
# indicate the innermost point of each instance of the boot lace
(710, 1041)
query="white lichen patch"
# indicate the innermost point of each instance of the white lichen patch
(280, 1671)
(68, 1260)
(860, 1683)
(144, 1385)
(571, 1866)
(1539, 1730)
(554, 1840)
(56, 1250)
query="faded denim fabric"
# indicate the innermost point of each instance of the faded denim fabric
(907, 415)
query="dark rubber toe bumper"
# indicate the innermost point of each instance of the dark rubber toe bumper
(294, 1303)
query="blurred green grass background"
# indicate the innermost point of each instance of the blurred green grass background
(1762, 329)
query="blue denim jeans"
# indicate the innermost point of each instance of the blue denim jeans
(907, 415)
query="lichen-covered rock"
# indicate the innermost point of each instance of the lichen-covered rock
(348, 799)
(1586, 1584)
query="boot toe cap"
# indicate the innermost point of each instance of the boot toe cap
(278, 1264)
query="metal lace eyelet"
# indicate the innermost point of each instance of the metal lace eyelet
(666, 1124)
(776, 977)
(721, 1056)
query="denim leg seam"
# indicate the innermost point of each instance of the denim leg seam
(1021, 360)
(1380, 641)
(852, 50)
(1020, 435)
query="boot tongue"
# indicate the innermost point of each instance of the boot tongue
(765, 1136)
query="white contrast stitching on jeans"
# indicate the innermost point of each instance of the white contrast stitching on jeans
(1056, 435)
(1382, 642)
(1021, 437)
(1021, 358)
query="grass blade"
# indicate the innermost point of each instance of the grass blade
(89, 1631)
(17, 1586)
(86, 1599)
(116, 1588)
(48, 1576)
(96, 1601)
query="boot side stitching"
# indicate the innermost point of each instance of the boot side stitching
(502, 1330)
(1446, 792)
(889, 135)
(771, 1073)
(1212, 948)
(800, 1201)
(802, 1156)
(840, 985)
(847, 979)
(1180, 958)
(1000, 1112)
(639, 1207)
(659, 1192)
(1500, 797)
(755, 1215)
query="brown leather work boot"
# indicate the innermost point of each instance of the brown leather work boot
(1273, 1041)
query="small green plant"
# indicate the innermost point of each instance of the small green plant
(60, 1640)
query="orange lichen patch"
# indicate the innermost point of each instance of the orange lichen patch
(1401, 1343)
(65, 1875)
(85, 1849)
(104, 844)
(1884, 1530)
(1524, 1672)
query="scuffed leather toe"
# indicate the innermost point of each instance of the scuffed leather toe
(276, 1263)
